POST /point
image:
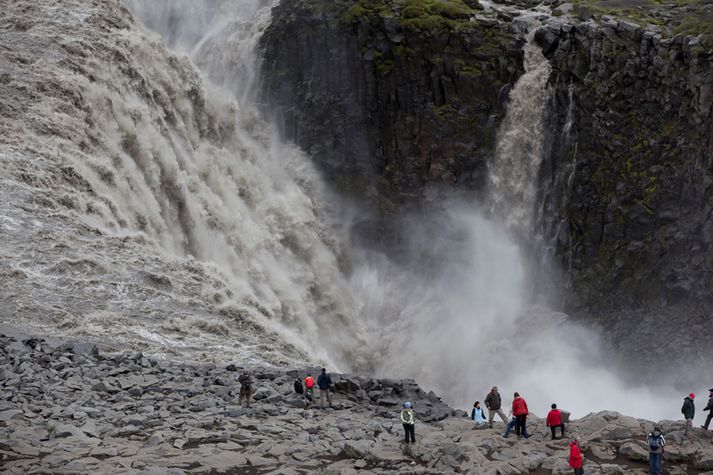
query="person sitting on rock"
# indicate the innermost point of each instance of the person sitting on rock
(656, 443)
(324, 381)
(409, 421)
(576, 461)
(519, 410)
(309, 388)
(688, 410)
(477, 415)
(493, 402)
(246, 388)
(554, 420)
(709, 408)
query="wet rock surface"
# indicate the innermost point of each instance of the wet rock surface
(56, 416)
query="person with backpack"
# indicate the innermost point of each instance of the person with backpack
(576, 461)
(519, 410)
(493, 402)
(688, 410)
(477, 415)
(554, 420)
(709, 408)
(309, 388)
(246, 388)
(656, 443)
(324, 381)
(409, 422)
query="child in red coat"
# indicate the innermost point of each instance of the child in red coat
(575, 457)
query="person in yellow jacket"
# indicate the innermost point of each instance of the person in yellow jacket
(409, 421)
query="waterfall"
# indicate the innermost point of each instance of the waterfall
(178, 221)
(513, 172)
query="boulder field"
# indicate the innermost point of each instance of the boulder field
(67, 407)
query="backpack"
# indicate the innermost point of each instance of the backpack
(654, 443)
(298, 387)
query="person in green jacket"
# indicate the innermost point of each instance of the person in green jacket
(688, 410)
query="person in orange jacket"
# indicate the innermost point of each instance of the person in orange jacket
(575, 457)
(519, 410)
(309, 388)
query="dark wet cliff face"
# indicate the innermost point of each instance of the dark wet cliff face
(390, 99)
(393, 101)
(631, 181)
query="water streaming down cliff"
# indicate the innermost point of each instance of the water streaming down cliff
(156, 210)
(172, 215)
(513, 173)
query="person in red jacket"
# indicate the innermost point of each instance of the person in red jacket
(519, 410)
(554, 420)
(575, 457)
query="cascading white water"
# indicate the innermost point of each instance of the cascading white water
(141, 204)
(221, 224)
(513, 171)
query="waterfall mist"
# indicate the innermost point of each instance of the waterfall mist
(456, 310)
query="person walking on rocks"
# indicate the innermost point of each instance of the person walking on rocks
(477, 415)
(576, 460)
(494, 403)
(324, 381)
(309, 388)
(709, 408)
(554, 420)
(519, 410)
(656, 443)
(688, 410)
(246, 388)
(409, 422)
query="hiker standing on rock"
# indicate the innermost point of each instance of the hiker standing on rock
(576, 460)
(709, 408)
(519, 410)
(324, 381)
(477, 415)
(656, 443)
(688, 410)
(309, 388)
(493, 402)
(409, 422)
(554, 420)
(246, 388)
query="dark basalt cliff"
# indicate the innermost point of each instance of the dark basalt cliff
(390, 98)
(395, 97)
(629, 182)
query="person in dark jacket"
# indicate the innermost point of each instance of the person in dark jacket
(554, 420)
(656, 443)
(709, 408)
(520, 411)
(688, 410)
(246, 388)
(324, 382)
(494, 403)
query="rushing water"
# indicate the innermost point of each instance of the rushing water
(169, 217)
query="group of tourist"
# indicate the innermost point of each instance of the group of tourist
(517, 419)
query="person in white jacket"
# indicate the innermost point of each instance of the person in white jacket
(477, 415)
(409, 421)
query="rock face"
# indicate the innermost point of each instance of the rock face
(629, 187)
(390, 98)
(625, 186)
(56, 416)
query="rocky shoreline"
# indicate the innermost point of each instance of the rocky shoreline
(71, 408)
